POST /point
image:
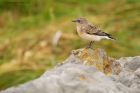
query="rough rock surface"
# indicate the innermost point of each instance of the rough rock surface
(73, 76)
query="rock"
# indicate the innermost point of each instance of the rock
(78, 74)
(137, 72)
(130, 74)
(70, 78)
(99, 59)
(131, 63)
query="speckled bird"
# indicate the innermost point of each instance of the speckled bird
(90, 32)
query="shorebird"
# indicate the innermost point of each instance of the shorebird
(90, 32)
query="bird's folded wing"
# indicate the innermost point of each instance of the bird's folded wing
(98, 32)
(90, 29)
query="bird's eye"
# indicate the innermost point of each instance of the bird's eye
(78, 21)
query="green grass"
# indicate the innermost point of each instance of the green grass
(14, 78)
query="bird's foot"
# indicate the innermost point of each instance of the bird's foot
(89, 46)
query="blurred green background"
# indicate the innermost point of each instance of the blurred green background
(28, 29)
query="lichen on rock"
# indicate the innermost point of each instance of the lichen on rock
(99, 59)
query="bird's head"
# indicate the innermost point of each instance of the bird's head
(80, 21)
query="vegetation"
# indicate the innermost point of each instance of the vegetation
(27, 28)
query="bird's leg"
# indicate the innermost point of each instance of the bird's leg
(90, 44)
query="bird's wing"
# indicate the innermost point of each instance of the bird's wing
(93, 30)
(90, 29)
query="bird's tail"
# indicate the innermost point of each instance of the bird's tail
(110, 37)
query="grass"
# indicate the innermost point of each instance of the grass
(11, 76)
(26, 49)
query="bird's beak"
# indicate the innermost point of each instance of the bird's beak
(74, 20)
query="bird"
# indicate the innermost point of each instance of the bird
(90, 32)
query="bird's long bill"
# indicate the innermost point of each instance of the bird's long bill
(74, 20)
